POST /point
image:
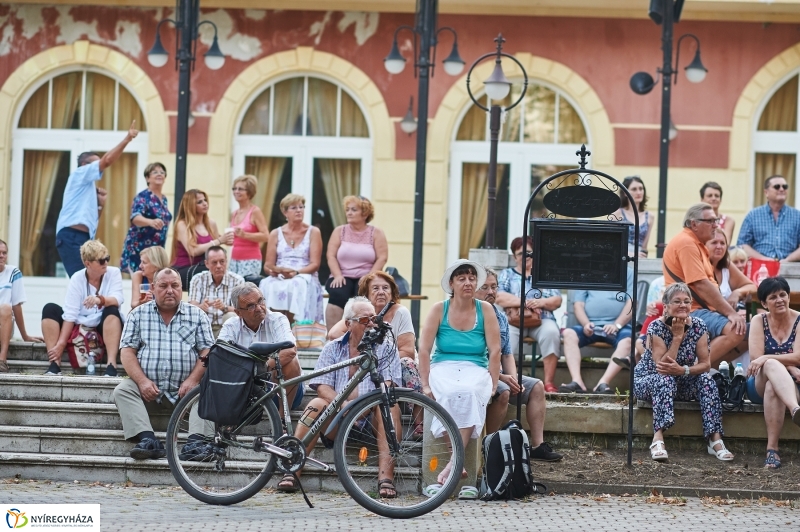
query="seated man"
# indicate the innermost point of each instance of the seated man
(358, 315)
(211, 290)
(530, 391)
(772, 231)
(604, 319)
(686, 260)
(257, 324)
(12, 296)
(161, 347)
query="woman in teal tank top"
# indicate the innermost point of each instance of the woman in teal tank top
(461, 372)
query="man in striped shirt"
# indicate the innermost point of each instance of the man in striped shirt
(12, 296)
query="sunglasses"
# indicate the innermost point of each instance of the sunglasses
(363, 320)
(103, 261)
(252, 306)
(778, 187)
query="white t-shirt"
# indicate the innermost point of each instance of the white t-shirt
(12, 292)
(401, 322)
(79, 289)
(275, 328)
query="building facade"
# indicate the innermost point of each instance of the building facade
(304, 103)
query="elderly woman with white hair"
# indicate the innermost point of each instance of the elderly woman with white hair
(462, 371)
(675, 366)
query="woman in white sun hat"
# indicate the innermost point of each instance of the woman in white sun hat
(462, 372)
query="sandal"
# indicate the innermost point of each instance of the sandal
(658, 451)
(287, 484)
(386, 489)
(773, 461)
(796, 416)
(723, 454)
(433, 489)
(468, 493)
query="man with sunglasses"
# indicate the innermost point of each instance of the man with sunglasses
(772, 231)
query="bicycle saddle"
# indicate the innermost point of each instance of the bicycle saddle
(263, 349)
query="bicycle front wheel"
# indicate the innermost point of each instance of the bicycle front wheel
(363, 457)
(225, 472)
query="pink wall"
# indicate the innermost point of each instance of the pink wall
(604, 52)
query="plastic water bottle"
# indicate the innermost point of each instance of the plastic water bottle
(739, 369)
(725, 370)
(90, 370)
(761, 274)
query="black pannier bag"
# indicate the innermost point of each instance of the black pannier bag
(226, 385)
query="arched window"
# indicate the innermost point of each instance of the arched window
(537, 138)
(306, 135)
(66, 115)
(776, 141)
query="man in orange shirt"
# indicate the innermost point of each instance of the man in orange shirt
(686, 260)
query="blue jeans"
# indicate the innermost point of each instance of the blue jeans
(68, 243)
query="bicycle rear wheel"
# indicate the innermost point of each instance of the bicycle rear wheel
(219, 473)
(361, 455)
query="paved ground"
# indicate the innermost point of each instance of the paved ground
(170, 509)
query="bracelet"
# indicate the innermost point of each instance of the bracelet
(102, 301)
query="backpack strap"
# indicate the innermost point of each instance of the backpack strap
(493, 492)
(526, 459)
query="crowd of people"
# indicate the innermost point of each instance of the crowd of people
(468, 346)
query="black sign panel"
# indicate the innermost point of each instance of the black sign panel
(580, 255)
(582, 201)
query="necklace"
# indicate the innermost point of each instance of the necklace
(291, 243)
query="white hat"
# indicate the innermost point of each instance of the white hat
(462, 262)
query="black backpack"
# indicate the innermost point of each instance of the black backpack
(731, 392)
(227, 385)
(506, 465)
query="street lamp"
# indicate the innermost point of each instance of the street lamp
(667, 12)
(424, 31)
(497, 87)
(186, 26)
(409, 124)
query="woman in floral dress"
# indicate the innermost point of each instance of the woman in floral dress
(294, 252)
(675, 366)
(150, 218)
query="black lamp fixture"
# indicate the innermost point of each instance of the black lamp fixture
(187, 26)
(426, 38)
(497, 87)
(666, 13)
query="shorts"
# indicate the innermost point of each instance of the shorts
(584, 340)
(753, 395)
(527, 382)
(714, 321)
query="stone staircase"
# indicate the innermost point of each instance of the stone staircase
(67, 428)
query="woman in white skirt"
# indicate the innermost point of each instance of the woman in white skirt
(462, 373)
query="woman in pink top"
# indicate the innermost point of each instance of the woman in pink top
(195, 232)
(249, 229)
(354, 250)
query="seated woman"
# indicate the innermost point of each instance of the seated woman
(635, 186)
(738, 257)
(773, 374)
(734, 286)
(294, 252)
(152, 260)
(674, 367)
(462, 374)
(711, 193)
(94, 295)
(380, 289)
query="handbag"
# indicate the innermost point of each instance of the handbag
(309, 334)
(531, 318)
(82, 341)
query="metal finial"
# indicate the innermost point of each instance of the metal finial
(499, 40)
(583, 153)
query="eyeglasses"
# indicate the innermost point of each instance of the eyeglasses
(778, 187)
(363, 320)
(252, 306)
(712, 221)
(102, 261)
(488, 288)
(520, 253)
(681, 302)
(239, 189)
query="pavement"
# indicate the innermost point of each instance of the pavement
(133, 509)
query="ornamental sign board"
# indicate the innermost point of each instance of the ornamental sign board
(580, 255)
(582, 201)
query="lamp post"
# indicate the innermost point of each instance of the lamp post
(186, 25)
(425, 35)
(667, 12)
(497, 87)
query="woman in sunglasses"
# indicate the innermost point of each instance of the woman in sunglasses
(91, 310)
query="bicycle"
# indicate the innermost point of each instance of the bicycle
(240, 460)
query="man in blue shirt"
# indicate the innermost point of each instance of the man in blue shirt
(80, 210)
(772, 231)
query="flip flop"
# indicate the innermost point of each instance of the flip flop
(433, 489)
(468, 493)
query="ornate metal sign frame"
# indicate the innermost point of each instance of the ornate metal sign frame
(575, 199)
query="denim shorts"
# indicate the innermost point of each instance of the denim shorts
(753, 395)
(713, 320)
(584, 340)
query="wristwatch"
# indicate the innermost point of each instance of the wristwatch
(686, 370)
(618, 326)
